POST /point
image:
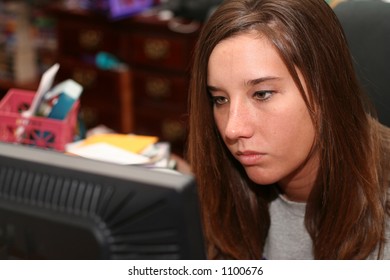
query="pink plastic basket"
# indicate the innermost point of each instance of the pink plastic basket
(37, 131)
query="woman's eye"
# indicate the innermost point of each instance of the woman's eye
(263, 95)
(219, 100)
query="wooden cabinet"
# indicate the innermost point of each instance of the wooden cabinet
(150, 97)
(160, 59)
(106, 98)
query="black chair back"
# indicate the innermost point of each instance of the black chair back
(367, 28)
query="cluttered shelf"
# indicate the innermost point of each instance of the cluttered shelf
(157, 52)
(27, 43)
(141, 85)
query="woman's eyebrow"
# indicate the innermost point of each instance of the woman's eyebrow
(253, 82)
(261, 80)
(212, 88)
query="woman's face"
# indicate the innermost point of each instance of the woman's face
(260, 112)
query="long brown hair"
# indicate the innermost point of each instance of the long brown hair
(345, 213)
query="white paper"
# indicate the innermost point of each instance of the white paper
(108, 153)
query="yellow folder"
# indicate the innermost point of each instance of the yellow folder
(128, 142)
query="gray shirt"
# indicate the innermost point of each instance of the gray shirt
(288, 238)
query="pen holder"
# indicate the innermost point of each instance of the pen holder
(37, 131)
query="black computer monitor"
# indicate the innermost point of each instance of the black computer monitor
(57, 206)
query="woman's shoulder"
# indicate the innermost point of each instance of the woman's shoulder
(384, 138)
(386, 244)
(384, 133)
(386, 248)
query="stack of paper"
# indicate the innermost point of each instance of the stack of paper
(123, 149)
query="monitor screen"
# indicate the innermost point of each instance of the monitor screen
(58, 206)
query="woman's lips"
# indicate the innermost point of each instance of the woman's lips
(248, 158)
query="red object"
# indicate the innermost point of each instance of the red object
(37, 131)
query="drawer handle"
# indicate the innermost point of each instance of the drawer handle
(158, 88)
(172, 130)
(186, 28)
(90, 39)
(85, 78)
(156, 49)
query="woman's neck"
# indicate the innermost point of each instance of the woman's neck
(298, 185)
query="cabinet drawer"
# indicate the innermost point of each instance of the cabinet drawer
(80, 38)
(154, 89)
(169, 126)
(162, 52)
(104, 83)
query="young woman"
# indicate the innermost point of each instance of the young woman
(290, 160)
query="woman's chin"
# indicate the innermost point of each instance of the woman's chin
(261, 177)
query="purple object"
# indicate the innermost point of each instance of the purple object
(124, 8)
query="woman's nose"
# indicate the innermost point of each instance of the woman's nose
(239, 124)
